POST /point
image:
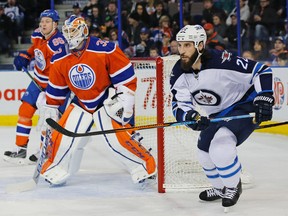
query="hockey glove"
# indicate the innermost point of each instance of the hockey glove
(263, 107)
(120, 106)
(41, 100)
(22, 60)
(201, 122)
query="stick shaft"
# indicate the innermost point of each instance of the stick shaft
(31, 77)
(66, 132)
(272, 125)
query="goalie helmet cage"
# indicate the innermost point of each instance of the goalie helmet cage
(178, 167)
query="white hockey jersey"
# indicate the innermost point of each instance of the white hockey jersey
(223, 82)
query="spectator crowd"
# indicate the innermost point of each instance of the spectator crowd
(149, 28)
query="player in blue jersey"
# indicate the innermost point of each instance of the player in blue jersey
(218, 84)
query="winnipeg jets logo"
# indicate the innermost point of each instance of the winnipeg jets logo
(226, 56)
(206, 97)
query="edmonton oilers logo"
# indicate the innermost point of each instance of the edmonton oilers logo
(82, 76)
(39, 59)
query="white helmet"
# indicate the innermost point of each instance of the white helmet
(75, 30)
(195, 33)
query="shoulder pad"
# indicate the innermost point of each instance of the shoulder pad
(56, 41)
(97, 44)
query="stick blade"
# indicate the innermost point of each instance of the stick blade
(21, 187)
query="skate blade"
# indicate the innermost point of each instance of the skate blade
(228, 209)
(21, 187)
(18, 161)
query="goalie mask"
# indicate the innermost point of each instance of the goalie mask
(75, 30)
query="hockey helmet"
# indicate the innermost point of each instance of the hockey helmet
(75, 30)
(195, 33)
(53, 14)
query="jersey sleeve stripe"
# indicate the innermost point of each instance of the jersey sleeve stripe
(55, 97)
(57, 87)
(91, 105)
(40, 78)
(123, 77)
(124, 81)
(127, 67)
(57, 92)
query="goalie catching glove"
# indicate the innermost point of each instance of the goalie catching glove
(22, 60)
(120, 104)
(201, 122)
(263, 107)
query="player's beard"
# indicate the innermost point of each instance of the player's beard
(186, 66)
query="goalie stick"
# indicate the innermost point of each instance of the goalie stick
(32, 183)
(66, 132)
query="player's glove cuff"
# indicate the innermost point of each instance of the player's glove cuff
(201, 122)
(263, 107)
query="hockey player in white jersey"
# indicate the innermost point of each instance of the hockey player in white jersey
(221, 85)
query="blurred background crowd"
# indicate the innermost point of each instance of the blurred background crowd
(149, 27)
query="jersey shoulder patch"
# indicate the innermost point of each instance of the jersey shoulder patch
(102, 46)
(56, 41)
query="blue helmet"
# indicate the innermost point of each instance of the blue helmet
(53, 14)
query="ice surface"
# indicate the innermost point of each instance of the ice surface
(104, 188)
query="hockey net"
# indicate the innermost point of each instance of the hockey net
(175, 147)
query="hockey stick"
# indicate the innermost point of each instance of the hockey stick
(66, 132)
(272, 125)
(32, 183)
(27, 72)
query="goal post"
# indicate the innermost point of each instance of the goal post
(174, 147)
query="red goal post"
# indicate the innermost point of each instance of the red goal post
(174, 147)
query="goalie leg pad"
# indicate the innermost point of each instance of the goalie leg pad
(140, 163)
(66, 153)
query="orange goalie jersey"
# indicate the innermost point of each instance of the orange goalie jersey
(89, 73)
(43, 50)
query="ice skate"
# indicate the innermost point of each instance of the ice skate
(231, 196)
(34, 157)
(16, 156)
(211, 194)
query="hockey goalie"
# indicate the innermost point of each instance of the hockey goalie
(103, 80)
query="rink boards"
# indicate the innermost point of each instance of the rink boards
(14, 83)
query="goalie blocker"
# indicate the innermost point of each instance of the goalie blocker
(65, 157)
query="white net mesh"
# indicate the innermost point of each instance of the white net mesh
(181, 168)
